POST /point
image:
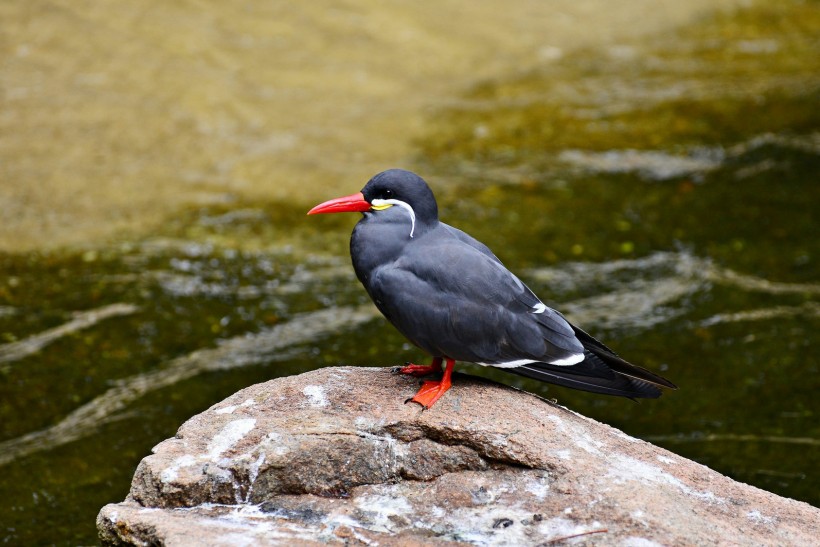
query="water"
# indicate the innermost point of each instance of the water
(663, 194)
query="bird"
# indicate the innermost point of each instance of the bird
(451, 296)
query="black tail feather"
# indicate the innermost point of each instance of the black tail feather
(592, 375)
(611, 359)
(601, 371)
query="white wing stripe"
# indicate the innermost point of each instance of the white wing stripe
(508, 364)
(568, 361)
(565, 362)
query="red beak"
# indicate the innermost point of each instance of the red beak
(354, 203)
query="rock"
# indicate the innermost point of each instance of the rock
(335, 456)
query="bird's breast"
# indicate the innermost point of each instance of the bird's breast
(375, 244)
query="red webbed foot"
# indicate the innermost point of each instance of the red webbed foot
(422, 370)
(431, 391)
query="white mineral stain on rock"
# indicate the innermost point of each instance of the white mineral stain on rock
(581, 438)
(563, 454)
(559, 423)
(379, 509)
(476, 529)
(231, 408)
(620, 434)
(274, 441)
(247, 525)
(436, 511)
(538, 488)
(169, 474)
(316, 395)
(334, 521)
(245, 537)
(664, 459)
(705, 496)
(368, 424)
(585, 441)
(228, 436)
(634, 541)
(253, 473)
(387, 448)
(484, 526)
(759, 518)
(499, 440)
(624, 468)
(365, 428)
(394, 505)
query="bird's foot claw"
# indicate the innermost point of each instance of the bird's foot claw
(429, 393)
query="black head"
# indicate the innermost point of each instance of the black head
(391, 198)
(400, 187)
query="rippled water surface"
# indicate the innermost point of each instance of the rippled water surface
(663, 196)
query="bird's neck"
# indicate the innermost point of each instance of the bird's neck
(376, 244)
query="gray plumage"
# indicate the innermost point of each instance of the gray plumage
(452, 297)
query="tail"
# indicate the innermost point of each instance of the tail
(601, 371)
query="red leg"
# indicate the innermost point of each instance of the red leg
(431, 391)
(422, 370)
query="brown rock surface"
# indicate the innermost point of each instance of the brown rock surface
(334, 456)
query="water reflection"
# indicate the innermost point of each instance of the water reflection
(83, 320)
(659, 165)
(643, 292)
(266, 346)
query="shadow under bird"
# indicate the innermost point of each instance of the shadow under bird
(453, 298)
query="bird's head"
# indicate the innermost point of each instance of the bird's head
(386, 192)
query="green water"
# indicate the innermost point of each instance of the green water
(664, 197)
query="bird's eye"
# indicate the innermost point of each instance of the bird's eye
(388, 193)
